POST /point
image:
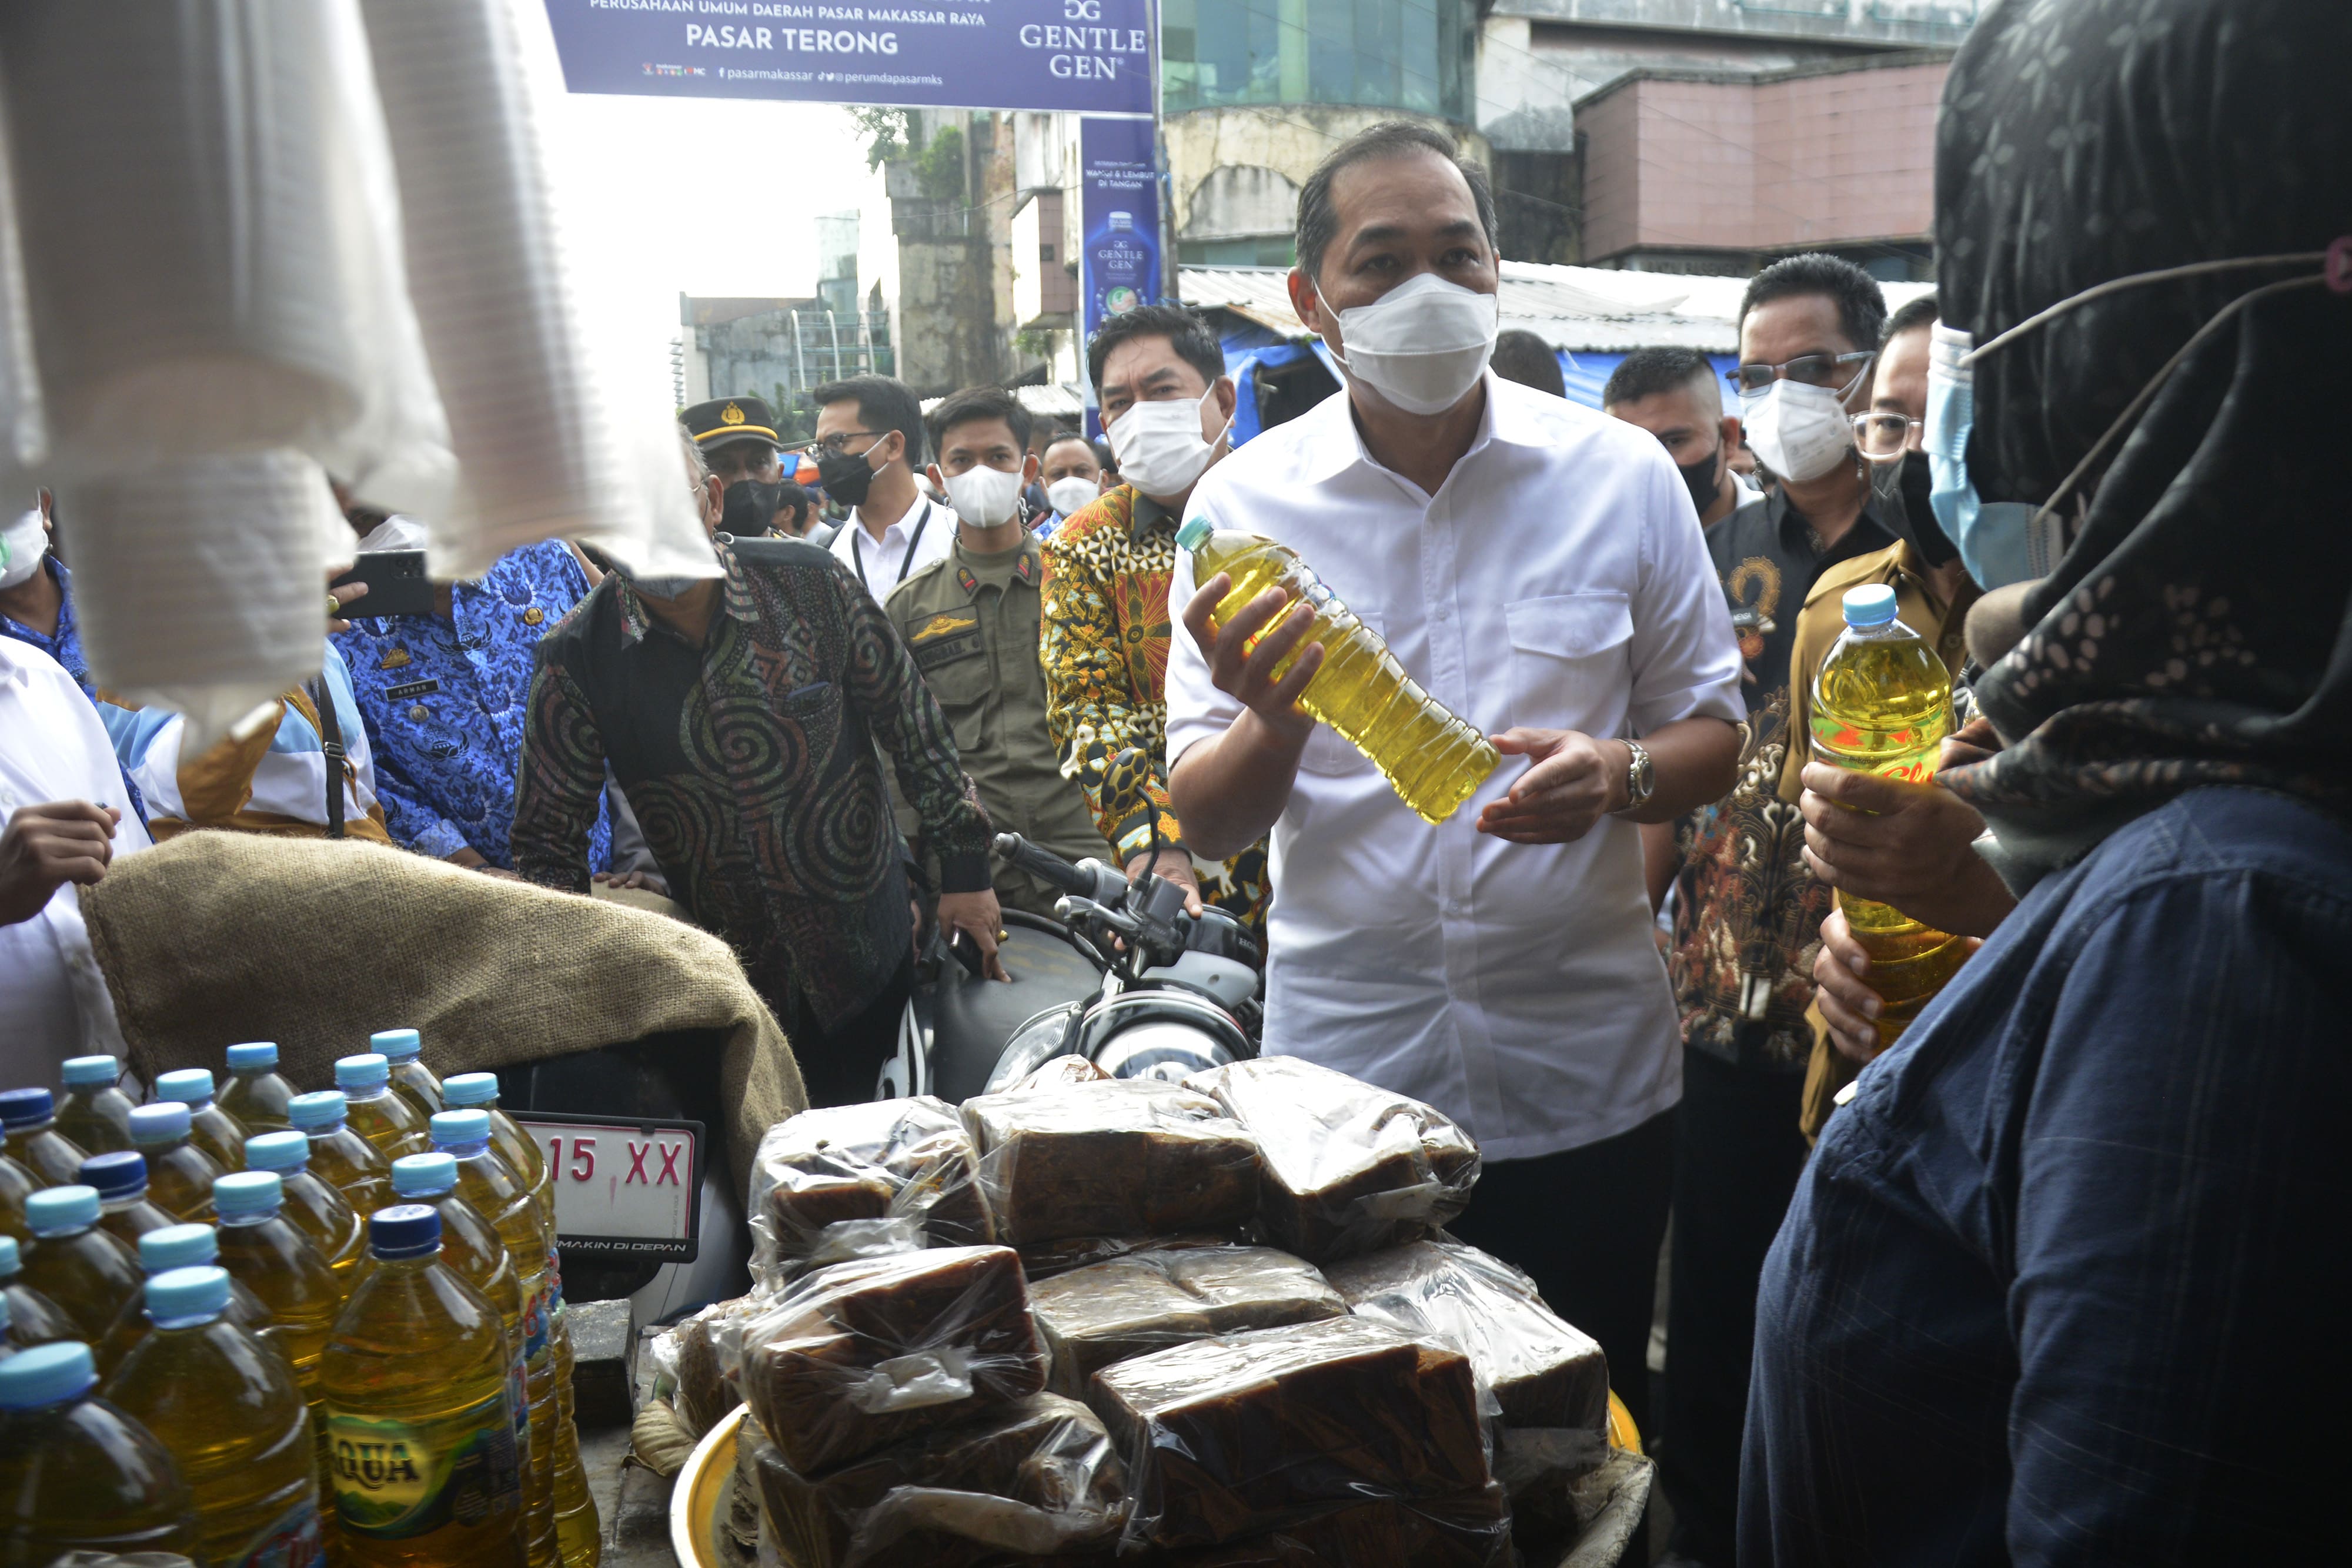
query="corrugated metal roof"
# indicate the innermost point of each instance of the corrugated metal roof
(1062, 400)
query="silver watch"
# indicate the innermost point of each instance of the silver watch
(1641, 778)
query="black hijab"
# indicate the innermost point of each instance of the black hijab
(2198, 630)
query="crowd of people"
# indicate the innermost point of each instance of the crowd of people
(2047, 1279)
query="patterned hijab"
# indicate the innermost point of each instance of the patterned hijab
(2198, 630)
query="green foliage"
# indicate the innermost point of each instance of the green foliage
(939, 167)
(889, 133)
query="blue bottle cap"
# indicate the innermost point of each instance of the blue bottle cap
(322, 1109)
(1194, 533)
(177, 1247)
(470, 1088)
(424, 1176)
(280, 1151)
(260, 1054)
(460, 1129)
(11, 1260)
(367, 1071)
(1871, 605)
(165, 1121)
(397, 1044)
(178, 1296)
(404, 1230)
(46, 1374)
(91, 1071)
(60, 1210)
(25, 1107)
(243, 1193)
(190, 1085)
(119, 1173)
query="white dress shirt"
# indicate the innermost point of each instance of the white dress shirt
(1558, 580)
(53, 999)
(906, 546)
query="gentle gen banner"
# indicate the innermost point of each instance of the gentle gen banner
(1090, 56)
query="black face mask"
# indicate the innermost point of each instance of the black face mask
(1901, 491)
(1705, 485)
(845, 477)
(751, 507)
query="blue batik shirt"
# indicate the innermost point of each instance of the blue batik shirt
(444, 702)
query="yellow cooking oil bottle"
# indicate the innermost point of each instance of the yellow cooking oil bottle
(480, 1091)
(1433, 759)
(339, 1155)
(120, 1179)
(579, 1533)
(210, 1128)
(95, 1113)
(180, 1176)
(314, 1207)
(375, 1112)
(159, 1252)
(255, 1094)
(79, 1475)
(30, 1120)
(420, 1411)
(16, 1185)
(1883, 704)
(228, 1408)
(261, 1247)
(33, 1318)
(84, 1268)
(402, 1050)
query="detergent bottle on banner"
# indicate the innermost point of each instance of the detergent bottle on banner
(159, 1252)
(180, 1176)
(1883, 704)
(33, 1318)
(480, 1091)
(120, 1179)
(339, 1155)
(384, 1118)
(95, 1114)
(30, 1116)
(210, 1128)
(402, 1050)
(255, 1094)
(83, 1269)
(313, 1206)
(229, 1411)
(78, 1474)
(420, 1411)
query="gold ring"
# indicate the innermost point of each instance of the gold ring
(334, 608)
(1002, 933)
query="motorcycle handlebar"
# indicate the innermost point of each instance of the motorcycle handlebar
(1044, 864)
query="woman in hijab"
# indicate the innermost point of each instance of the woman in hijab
(2067, 1280)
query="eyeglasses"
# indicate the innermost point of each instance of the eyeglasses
(1883, 437)
(838, 443)
(1812, 370)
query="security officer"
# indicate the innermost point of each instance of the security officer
(738, 441)
(972, 620)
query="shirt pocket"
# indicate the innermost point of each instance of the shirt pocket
(1328, 753)
(960, 683)
(1568, 652)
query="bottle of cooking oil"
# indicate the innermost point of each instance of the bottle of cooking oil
(210, 1128)
(78, 1474)
(16, 1185)
(480, 1091)
(95, 1114)
(82, 1268)
(404, 1051)
(181, 1246)
(1433, 759)
(228, 1409)
(419, 1408)
(34, 1141)
(393, 1125)
(314, 1207)
(180, 1176)
(120, 1178)
(579, 1533)
(339, 1155)
(1883, 704)
(33, 1318)
(8, 1331)
(260, 1248)
(254, 1093)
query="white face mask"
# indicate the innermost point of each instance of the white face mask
(23, 543)
(1423, 344)
(1160, 448)
(1798, 431)
(983, 497)
(1068, 494)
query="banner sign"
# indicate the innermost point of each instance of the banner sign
(1118, 214)
(1086, 57)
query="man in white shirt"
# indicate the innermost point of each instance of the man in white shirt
(67, 816)
(869, 444)
(1538, 569)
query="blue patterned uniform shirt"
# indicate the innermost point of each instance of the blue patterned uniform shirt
(444, 702)
(65, 646)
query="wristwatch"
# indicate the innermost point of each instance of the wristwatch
(1640, 779)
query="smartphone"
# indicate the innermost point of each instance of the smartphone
(396, 583)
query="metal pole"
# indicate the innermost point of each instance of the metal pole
(800, 366)
(1161, 187)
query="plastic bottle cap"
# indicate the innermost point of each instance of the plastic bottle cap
(260, 1054)
(321, 1108)
(46, 1374)
(187, 1295)
(190, 1085)
(367, 1071)
(1871, 605)
(470, 1088)
(25, 1107)
(165, 1121)
(398, 1044)
(459, 1129)
(1194, 533)
(60, 1210)
(91, 1071)
(10, 1260)
(281, 1151)
(404, 1230)
(177, 1247)
(118, 1174)
(241, 1193)
(424, 1176)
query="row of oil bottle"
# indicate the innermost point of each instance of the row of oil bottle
(207, 1350)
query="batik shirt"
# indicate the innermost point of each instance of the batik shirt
(751, 763)
(444, 701)
(1105, 646)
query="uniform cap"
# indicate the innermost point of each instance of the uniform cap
(727, 419)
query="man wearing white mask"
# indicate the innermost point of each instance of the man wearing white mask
(1072, 476)
(1538, 567)
(971, 623)
(1166, 403)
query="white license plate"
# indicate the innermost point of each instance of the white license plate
(629, 1189)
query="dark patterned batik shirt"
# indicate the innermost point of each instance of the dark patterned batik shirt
(751, 762)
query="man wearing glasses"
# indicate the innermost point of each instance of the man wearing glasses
(869, 438)
(1748, 913)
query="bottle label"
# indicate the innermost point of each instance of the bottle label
(398, 1479)
(294, 1540)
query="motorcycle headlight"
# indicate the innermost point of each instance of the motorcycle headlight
(1032, 1045)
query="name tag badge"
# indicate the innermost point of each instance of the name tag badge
(412, 689)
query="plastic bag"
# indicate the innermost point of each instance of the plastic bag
(862, 1181)
(1060, 1073)
(856, 1355)
(1036, 1478)
(1048, 1259)
(1467, 1529)
(696, 1360)
(1353, 1411)
(1123, 1157)
(1113, 1312)
(1349, 1168)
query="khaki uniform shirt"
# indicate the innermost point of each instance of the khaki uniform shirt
(971, 621)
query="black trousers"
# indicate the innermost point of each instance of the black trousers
(839, 1065)
(1586, 1224)
(1737, 1160)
